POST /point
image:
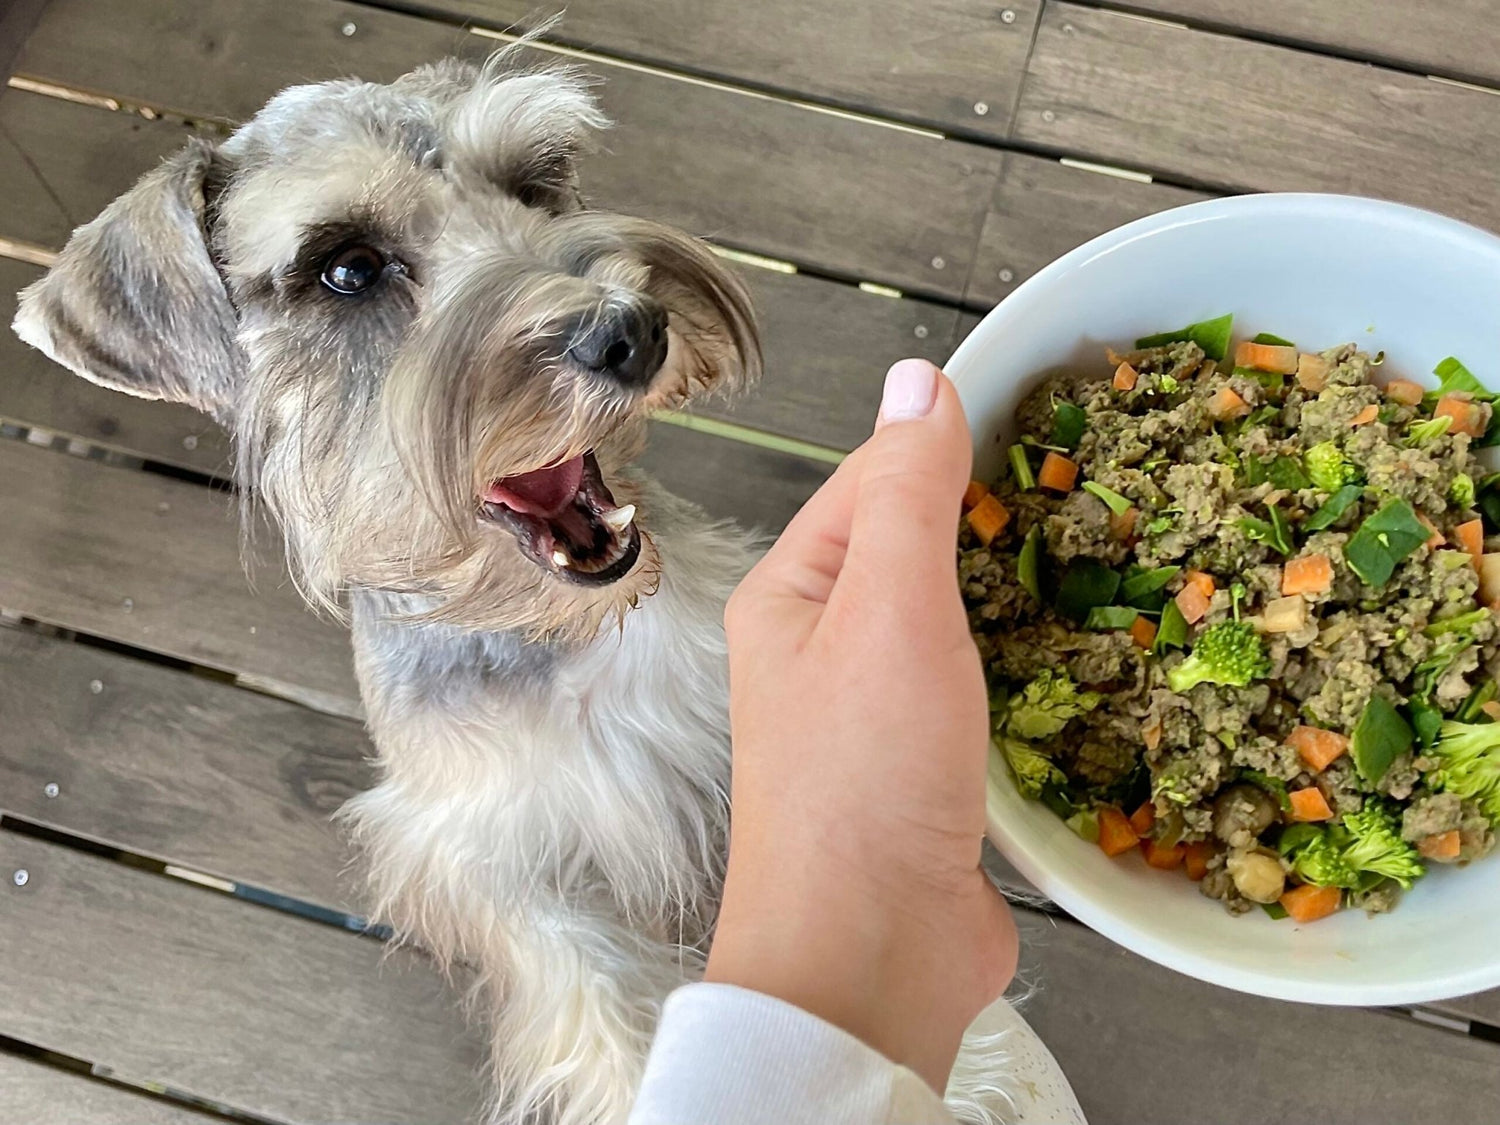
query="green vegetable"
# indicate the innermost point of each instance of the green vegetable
(1454, 376)
(1043, 707)
(1286, 472)
(1056, 797)
(1085, 584)
(1085, 825)
(1277, 341)
(1425, 676)
(1473, 706)
(1428, 429)
(1167, 384)
(1137, 589)
(1107, 617)
(1320, 861)
(1158, 525)
(1334, 507)
(1028, 562)
(1258, 415)
(1296, 836)
(1489, 508)
(1383, 540)
(1068, 423)
(1210, 335)
(1468, 764)
(1173, 630)
(1270, 380)
(1364, 847)
(1229, 653)
(1276, 533)
(1380, 737)
(1031, 767)
(1021, 467)
(1254, 470)
(1117, 503)
(1272, 785)
(1426, 721)
(1328, 468)
(1461, 491)
(1463, 622)
(1275, 910)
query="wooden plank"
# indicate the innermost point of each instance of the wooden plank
(16, 21)
(44, 1095)
(1456, 38)
(176, 766)
(827, 344)
(1141, 1043)
(1249, 115)
(1483, 1007)
(849, 197)
(1043, 208)
(929, 63)
(162, 981)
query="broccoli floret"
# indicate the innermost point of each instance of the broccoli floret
(1044, 706)
(1033, 769)
(1363, 847)
(1321, 861)
(1468, 764)
(1229, 653)
(1429, 429)
(1461, 491)
(1328, 468)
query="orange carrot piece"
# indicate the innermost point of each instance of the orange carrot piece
(1143, 632)
(1435, 540)
(1404, 391)
(974, 493)
(988, 519)
(1492, 709)
(1468, 417)
(1191, 604)
(1202, 580)
(1266, 357)
(1195, 857)
(1058, 473)
(1164, 859)
(1312, 372)
(1308, 903)
(1309, 804)
(1125, 377)
(1226, 404)
(1469, 538)
(1116, 837)
(1142, 819)
(1445, 845)
(1311, 574)
(1318, 748)
(1365, 416)
(1151, 733)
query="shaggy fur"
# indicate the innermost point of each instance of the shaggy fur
(553, 754)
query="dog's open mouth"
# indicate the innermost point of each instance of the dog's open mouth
(565, 520)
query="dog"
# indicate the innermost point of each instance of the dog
(437, 365)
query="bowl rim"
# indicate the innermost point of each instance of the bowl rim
(1440, 984)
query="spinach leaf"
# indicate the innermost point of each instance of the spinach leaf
(1426, 721)
(1277, 341)
(1068, 424)
(1107, 617)
(1294, 837)
(1287, 472)
(1085, 585)
(1334, 507)
(1254, 470)
(1028, 562)
(1210, 335)
(1383, 540)
(1272, 785)
(1455, 376)
(1380, 737)
(1117, 503)
(1173, 630)
(1139, 587)
(1276, 534)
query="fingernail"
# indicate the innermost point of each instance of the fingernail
(910, 391)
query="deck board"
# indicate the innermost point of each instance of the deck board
(1253, 116)
(38, 1094)
(163, 981)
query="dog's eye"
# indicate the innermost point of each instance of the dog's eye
(353, 269)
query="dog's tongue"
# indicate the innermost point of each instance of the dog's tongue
(541, 492)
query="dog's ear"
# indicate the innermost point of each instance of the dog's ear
(134, 301)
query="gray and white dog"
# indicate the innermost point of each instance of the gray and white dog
(437, 366)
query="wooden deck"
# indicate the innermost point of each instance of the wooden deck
(176, 941)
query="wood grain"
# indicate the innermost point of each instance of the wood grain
(849, 197)
(1248, 115)
(162, 981)
(43, 1095)
(1142, 1043)
(928, 63)
(176, 766)
(1457, 38)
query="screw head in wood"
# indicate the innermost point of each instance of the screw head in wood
(1048, 115)
(938, 263)
(190, 442)
(21, 877)
(96, 686)
(920, 332)
(1008, 16)
(348, 29)
(981, 108)
(51, 789)
(128, 604)
(1007, 276)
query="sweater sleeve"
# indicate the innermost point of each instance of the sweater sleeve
(730, 1056)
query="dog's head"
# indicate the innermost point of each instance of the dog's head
(434, 359)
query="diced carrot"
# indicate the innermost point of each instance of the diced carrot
(1143, 632)
(1489, 580)
(1469, 417)
(1116, 837)
(1164, 859)
(1365, 416)
(1058, 473)
(1151, 733)
(1142, 819)
(974, 493)
(1309, 804)
(1226, 404)
(1445, 845)
(1318, 748)
(1196, 856)
(988, 519)
(1122, 524)
(1404, 391)
(1469, 538)
(1310, 574)
(1202, 580)
(1435, 540)
(1308, 903)
(1492, 709)
(1191, 604)
(1125, 377)
(1312, 372)
(1266, 357)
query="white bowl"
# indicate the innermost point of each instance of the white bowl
(1320, 270)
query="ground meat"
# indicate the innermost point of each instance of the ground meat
(1342, 787)
(1431, 814)
(1080, 529)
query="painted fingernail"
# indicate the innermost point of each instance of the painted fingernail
(910, 391)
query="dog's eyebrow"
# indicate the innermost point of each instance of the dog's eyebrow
(318, 241)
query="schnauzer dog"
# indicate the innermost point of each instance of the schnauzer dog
(437, 366)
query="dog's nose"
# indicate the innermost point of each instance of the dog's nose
(627, 342)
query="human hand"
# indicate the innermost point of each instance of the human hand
(860, 731)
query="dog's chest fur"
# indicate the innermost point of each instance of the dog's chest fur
(516, 773)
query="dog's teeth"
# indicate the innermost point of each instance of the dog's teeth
(619, 519)
(560, 557)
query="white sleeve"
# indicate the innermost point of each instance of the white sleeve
(728, 1056)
